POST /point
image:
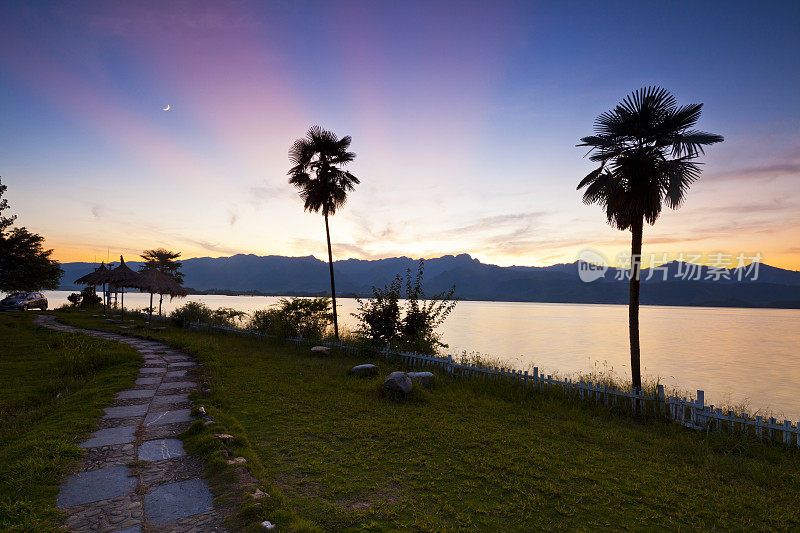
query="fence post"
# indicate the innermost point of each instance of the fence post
(700, 401)
(659, 398)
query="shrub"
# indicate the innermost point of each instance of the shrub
(191, 312)
(227, 316)
(380, 318)
(74, 299)
(307, 317)
(89, 297)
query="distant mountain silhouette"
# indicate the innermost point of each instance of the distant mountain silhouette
(685, 284)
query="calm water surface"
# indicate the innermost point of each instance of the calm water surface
(737, 356)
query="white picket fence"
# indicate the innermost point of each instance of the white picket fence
(688, 412)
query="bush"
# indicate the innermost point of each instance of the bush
(380, 319)
(74, 299)
(295, 317)
(89, 298)
(193, 312)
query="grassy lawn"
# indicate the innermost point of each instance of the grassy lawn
(474, 456)
(52, 388)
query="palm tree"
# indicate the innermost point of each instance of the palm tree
(646, 147)
(323, 184)
(165, 262)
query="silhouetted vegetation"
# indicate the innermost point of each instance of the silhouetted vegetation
(24, 263)
(295, 317)
(323, 185)
(646, 148)
(200, 313)
(413, 327)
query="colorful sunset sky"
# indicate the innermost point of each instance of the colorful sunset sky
(464, 118)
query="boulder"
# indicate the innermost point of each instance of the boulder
(321, 350)
(366, 370)
(423, 378)
(398, 383)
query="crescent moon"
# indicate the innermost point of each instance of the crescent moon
(165, 108)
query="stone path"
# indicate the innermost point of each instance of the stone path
(135, 476)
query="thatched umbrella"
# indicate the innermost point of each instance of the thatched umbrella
(98, 277)
(154, 281)
(122, 277)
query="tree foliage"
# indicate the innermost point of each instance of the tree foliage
(25, 265)
(317, 160)
(646, 147)
(164, 261)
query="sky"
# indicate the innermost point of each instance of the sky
(464, 117)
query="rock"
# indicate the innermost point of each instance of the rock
(267, 524)
(237, 461)
(224, 437)
(366, 370)
(258, 494)
(321, 350)
(398, 383)
(201, 410)
(423, 378)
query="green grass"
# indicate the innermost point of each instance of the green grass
(469, 455)
(52, 388)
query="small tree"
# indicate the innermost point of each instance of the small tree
(24, 263)
(74, 299)
(382, 322)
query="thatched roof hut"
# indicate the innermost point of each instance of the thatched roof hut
(154, 281)
(98, 277)
(123, 276)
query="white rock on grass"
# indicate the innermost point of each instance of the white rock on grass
(398, 383)
(365, 370)
(322, 350)
(423, 378)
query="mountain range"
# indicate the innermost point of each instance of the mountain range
(303, 276)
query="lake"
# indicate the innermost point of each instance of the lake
(737, 356)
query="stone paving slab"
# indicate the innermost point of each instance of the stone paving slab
(177, 385)
(135, 393)
(175, 374)
(110, 436)
(178, 500)
(147, 381)
(160, 449)
(181, 365)
(125, 411)
(170, 398)
(168, 417)
(152, 370)
(94, 486)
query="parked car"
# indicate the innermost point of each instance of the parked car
(24, 300)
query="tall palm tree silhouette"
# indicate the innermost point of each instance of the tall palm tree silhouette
(646, 147)
(323, 184)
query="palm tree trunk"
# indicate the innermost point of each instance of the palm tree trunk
(150, 311)
(333, 285)
(122, 307)
(633, 304)
(160, 299)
